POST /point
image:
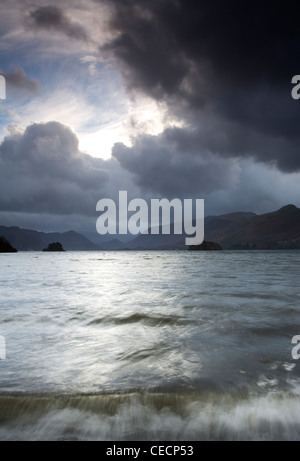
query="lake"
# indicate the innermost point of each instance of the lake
(149, 345)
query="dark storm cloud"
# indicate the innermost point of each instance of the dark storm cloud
(144, 44)
(42, 170)
(231, 139)
(52, 18)
(158, 167)
(18, 79)
(218, 65)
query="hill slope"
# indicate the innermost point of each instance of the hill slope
(214, 229)
(277, 230)
(241, 230)
(27, 239)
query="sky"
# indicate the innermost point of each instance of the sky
(161, 98)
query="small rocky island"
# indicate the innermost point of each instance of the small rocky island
(55, 246)
(205, 246)
(6, 247)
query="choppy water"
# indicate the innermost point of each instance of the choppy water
(170, 345)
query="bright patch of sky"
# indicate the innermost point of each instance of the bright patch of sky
(77, 85)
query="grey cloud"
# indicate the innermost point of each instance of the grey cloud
(229, 139)
(43, 171)
(18, 79)
(159, 168)
(261, 189)
(53, 18)
(182, 161)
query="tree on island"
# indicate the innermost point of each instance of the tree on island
(6, 247)
(206, 246)
(55, 246)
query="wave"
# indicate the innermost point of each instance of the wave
(136, 415)
(150, 320)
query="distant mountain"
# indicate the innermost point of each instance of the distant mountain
(277, 230)
(28, 239)
(214, 228)
(101, 240)
(241, 230)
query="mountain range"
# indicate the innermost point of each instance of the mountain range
(32, 240)
(277, 230)
(241, 230)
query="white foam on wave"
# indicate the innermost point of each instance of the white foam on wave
(210, 417)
